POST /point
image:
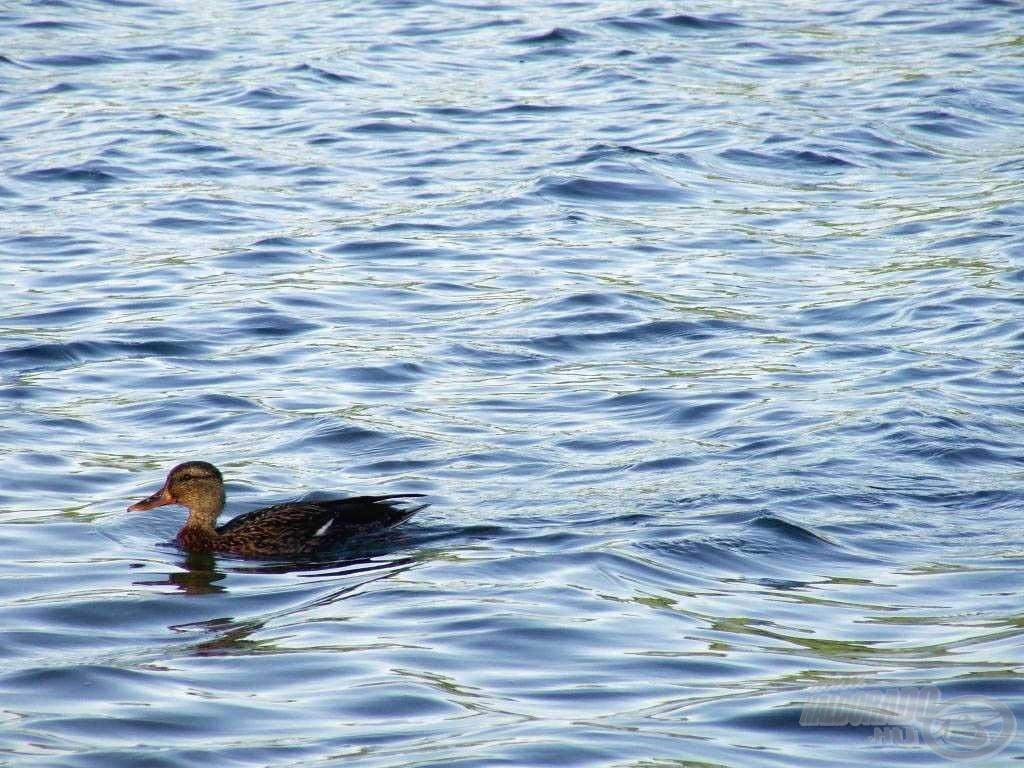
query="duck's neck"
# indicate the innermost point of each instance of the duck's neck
(199, 533)
(197, 538)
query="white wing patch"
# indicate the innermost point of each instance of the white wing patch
(324, 528)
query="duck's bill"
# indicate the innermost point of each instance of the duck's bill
(158, 499)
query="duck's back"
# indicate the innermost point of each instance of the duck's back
(304, 527)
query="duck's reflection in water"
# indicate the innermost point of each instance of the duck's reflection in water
(198, 575)
(201, 574)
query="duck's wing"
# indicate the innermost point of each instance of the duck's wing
(319, 523)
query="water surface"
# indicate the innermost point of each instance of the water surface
(700, 323)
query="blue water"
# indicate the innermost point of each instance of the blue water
(702, 325)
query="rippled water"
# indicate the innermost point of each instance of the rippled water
(700, 323)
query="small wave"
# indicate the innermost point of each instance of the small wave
(385, 127)
(7, 60)
(665, 464)
(329, 434)
(50, 24)
(50, 354)
(62, 317)
(653, 331)
(699, 558)
(395, 466)
(523, 108)
(958, 27)
(97, 683)
(92, 174)
(586, 300)
(594, 319)
(268, 323)
(259, 257)
(332, 434)
(265, 98)
(399, 373)
(77, 60)
(651, 22)
(603, 152)
(686, 21)
(193, 148)
(476, 356)
(63, 245)
(607, 190)
(556, 36)
(788, 60)
(601, 445)
(791, 531)
(855, 315)
(168, 53)
(192, 224)
(940, 123)
(278, 242)
(807, 157)
(326, 75)
(791, 159)
(383, 249)
(227, 402)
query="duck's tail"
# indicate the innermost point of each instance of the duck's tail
(397, 514)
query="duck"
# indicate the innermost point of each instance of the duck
(292, 528)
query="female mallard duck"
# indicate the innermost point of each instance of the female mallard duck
(294, 528)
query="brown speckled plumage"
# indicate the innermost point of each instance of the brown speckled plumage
(295, 528)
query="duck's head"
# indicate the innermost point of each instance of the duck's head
(197, 485)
